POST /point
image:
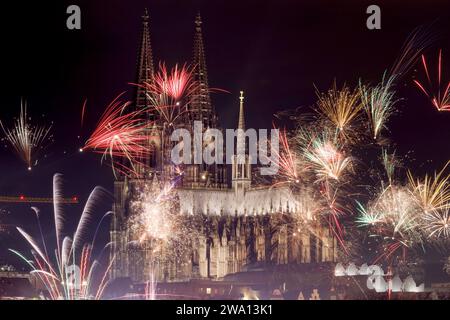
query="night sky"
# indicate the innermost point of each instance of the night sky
(276, 51)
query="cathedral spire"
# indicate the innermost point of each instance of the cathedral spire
(145, 70)
(241, 127)
(202, 109)
(145, 74)
(241, 124)
(241, 164)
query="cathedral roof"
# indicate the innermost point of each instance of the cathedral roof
(226, 201)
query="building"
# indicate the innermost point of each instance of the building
(240, 223)
(15, 285)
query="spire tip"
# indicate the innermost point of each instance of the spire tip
(241, 122)
(145, 17)
(198, 20)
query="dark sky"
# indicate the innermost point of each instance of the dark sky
(274, 50)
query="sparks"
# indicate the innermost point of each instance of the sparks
(419, 40)
(26, 139)
(156, 224)
(438, 94)
(120, 136)
(431, 192)
(437, 223)
(378, 104)
(287, 161)
(322, 151)
(72, 276)
(170, 92)
(340, 107)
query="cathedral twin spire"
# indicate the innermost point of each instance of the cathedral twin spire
(201, 107)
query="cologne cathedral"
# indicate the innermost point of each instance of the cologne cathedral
(238, 223)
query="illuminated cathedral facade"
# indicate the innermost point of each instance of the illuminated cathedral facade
(240, 223)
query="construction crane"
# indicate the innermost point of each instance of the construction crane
(25, 199)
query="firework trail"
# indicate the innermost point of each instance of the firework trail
(72, 277)
(378, 104)
(400, 217)
(121, 137)
(438, 94)
(26, 139)
(390, 163)
(287, 160)
(323, 158)
(83, 112)
(319, 152)
(151, 287)
(294, 165)
(333, 211)
(419, 40)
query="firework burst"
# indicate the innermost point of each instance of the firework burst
(437, 223)
(287, 161)
(26, 139)
(324, 154)
(170, 92)
(159, 228)
(394, 217)
(368, 217)
(378, 103)
(398, 210)
(390, 164)
(438, 94)
(121, 137)
(431, 192)
(174, 85)
(154, 209)
(340, 107)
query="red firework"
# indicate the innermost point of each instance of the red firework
(284, 158)
(120, 135)
(170, 92)
(438, 97)
(288, 160)
(176, 84)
